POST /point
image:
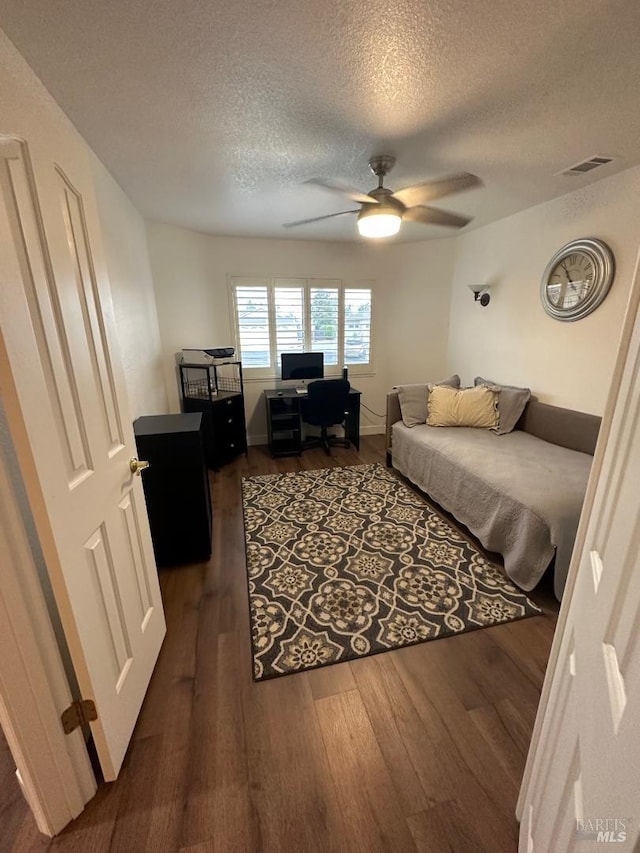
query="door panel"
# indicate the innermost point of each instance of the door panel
(73, 431)
(108, 607)
(24, 228)
(88, 297)
(132, 528)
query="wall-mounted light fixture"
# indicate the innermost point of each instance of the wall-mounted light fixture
(481, 293)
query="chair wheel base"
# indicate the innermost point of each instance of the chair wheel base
(325, 441)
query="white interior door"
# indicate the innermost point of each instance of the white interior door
(585, 778)
(69, 419)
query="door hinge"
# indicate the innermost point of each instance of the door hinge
(79, 713)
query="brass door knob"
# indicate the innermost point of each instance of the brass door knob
(137, 466)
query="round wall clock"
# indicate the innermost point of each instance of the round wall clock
(577, 279)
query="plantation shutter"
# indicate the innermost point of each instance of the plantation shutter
(357, 325)
(252, 316)
(298, 315)
(324, 302)
(289, 319)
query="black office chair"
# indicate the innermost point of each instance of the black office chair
(326, 405)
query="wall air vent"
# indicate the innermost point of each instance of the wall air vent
(586, 166)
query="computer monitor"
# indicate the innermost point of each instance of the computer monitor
(302, 365)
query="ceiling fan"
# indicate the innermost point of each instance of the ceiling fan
(382, 210)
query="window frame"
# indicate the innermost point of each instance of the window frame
(308, 283)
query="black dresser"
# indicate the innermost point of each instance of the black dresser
(176, 486)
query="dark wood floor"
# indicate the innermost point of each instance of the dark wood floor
(420, 749)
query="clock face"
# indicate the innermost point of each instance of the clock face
(571, 280)
(577, 279)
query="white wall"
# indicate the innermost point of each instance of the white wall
(125, 245)
(513, 340)
(416, 323)
(411, 293)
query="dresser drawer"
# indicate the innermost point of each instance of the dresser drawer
(228, 416)
(228, 427)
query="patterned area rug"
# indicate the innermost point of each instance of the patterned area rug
(346, 562)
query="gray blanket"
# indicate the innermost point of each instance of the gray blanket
(521, 496)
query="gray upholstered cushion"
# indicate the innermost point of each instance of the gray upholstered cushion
(575, 430)
(511, 403)
(413, 400)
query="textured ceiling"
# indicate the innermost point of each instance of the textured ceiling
(211, 115)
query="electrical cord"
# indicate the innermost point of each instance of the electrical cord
(371, 410)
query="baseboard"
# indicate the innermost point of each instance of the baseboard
(372, 429)
(253, 440)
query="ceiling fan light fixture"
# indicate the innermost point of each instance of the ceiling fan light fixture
(382, 211)
(376, 224)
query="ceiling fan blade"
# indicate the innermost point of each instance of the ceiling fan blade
(317, 218)
(431, 216)
(431, 190)
(343, 190)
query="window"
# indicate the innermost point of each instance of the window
(272, 316)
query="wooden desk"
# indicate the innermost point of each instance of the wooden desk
(284, 420)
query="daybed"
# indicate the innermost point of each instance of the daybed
(520, 494)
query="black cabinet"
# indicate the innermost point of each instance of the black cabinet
(216, 390)
(176, 486)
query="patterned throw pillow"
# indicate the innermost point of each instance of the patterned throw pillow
(413, 400)
(466, 407)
